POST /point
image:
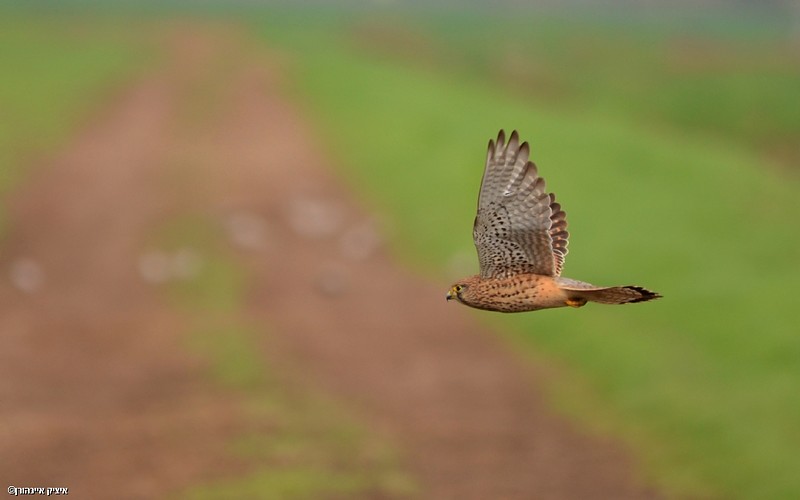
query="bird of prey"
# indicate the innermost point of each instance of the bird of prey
(521, 236)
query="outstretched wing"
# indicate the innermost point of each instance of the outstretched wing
(519, 227)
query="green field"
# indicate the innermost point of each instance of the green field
(55, 73)
(673, 149)
(667, 180)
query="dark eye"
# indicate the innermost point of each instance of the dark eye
(459, 288)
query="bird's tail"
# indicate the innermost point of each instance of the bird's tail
(579, 295)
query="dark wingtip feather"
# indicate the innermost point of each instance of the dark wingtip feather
(525, 149)
(501, 138)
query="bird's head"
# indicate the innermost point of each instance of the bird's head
(455, 292)
(461, 292)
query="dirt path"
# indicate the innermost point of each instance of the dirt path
(97, 391)
(99, 394)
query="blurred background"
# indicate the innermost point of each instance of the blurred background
(228, 227)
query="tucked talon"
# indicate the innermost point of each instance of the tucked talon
(576, 302)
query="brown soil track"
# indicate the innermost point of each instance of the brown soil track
(97, 390)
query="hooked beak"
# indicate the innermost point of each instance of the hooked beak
(450, 295)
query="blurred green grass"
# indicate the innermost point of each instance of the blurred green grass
(703, 383)
(669, 154)
(730, 78)
(55, 73)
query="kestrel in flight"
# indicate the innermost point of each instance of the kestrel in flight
(521, 236)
